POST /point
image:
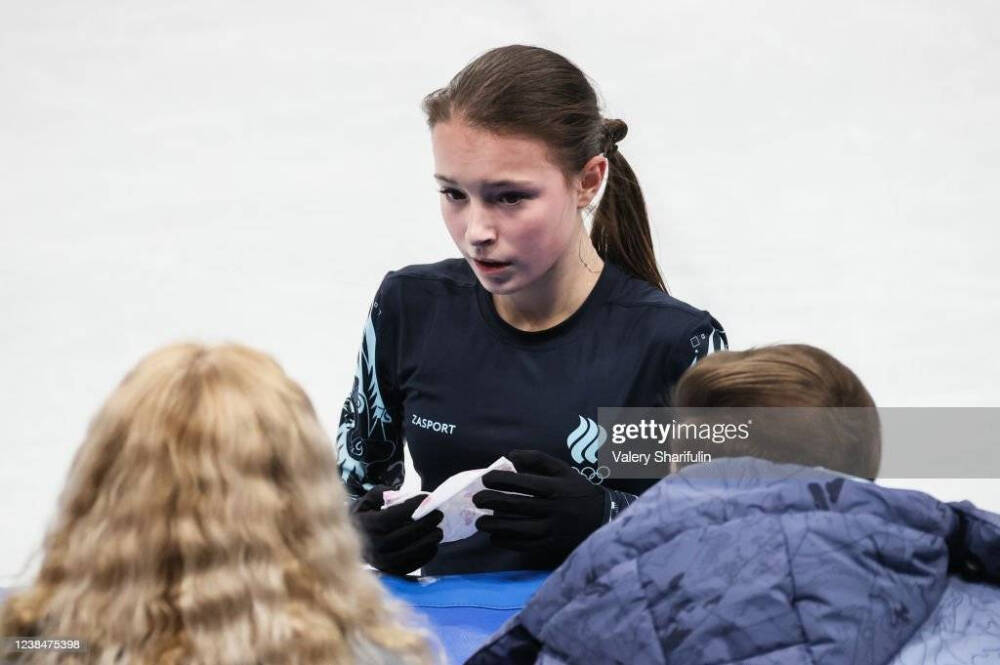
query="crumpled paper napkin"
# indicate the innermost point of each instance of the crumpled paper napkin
(453, 498)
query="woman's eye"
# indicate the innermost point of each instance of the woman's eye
(449, 192)
(507, 199)
(513, 198)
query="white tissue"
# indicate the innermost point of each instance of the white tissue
(453, 498)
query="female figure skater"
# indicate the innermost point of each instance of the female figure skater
(203, 522)
(515, 345)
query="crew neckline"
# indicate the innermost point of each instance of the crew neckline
(561, 330)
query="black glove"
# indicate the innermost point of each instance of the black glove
(394, 542)
(562, 508)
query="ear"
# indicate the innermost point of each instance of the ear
(590, 179)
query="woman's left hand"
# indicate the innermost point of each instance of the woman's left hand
(560, 510)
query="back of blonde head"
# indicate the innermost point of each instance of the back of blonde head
(203, 522)
(844, 433)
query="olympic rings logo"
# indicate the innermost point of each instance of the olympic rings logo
(595, 476)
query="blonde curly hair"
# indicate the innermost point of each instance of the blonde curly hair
(203, 523)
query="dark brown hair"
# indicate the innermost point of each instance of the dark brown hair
(531, 91)
(845, 439)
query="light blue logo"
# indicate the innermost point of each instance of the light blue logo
(585, 441)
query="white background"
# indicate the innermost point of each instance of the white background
(823, 172)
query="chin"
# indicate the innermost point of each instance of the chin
(499, 289)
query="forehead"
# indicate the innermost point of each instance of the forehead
(469, 155)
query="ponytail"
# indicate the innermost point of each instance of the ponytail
(620, 230)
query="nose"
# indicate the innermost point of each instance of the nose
(479, 229)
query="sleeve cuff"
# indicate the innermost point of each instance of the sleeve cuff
(616, 501)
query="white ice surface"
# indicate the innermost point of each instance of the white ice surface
(815, 172)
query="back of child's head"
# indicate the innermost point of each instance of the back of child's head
(844, 437)
(203, 521)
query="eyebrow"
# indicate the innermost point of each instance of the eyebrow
(491, 184)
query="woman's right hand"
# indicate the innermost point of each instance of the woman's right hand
(394, 542)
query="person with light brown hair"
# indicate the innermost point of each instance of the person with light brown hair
(827, 416)
(751, 558)
(203, 522)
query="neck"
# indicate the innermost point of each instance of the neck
(557, 294)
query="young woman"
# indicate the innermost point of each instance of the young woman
(203, 522)
(515, 345)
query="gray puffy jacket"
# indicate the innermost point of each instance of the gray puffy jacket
(745, 561)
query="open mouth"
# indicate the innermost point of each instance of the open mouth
(491, 265)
